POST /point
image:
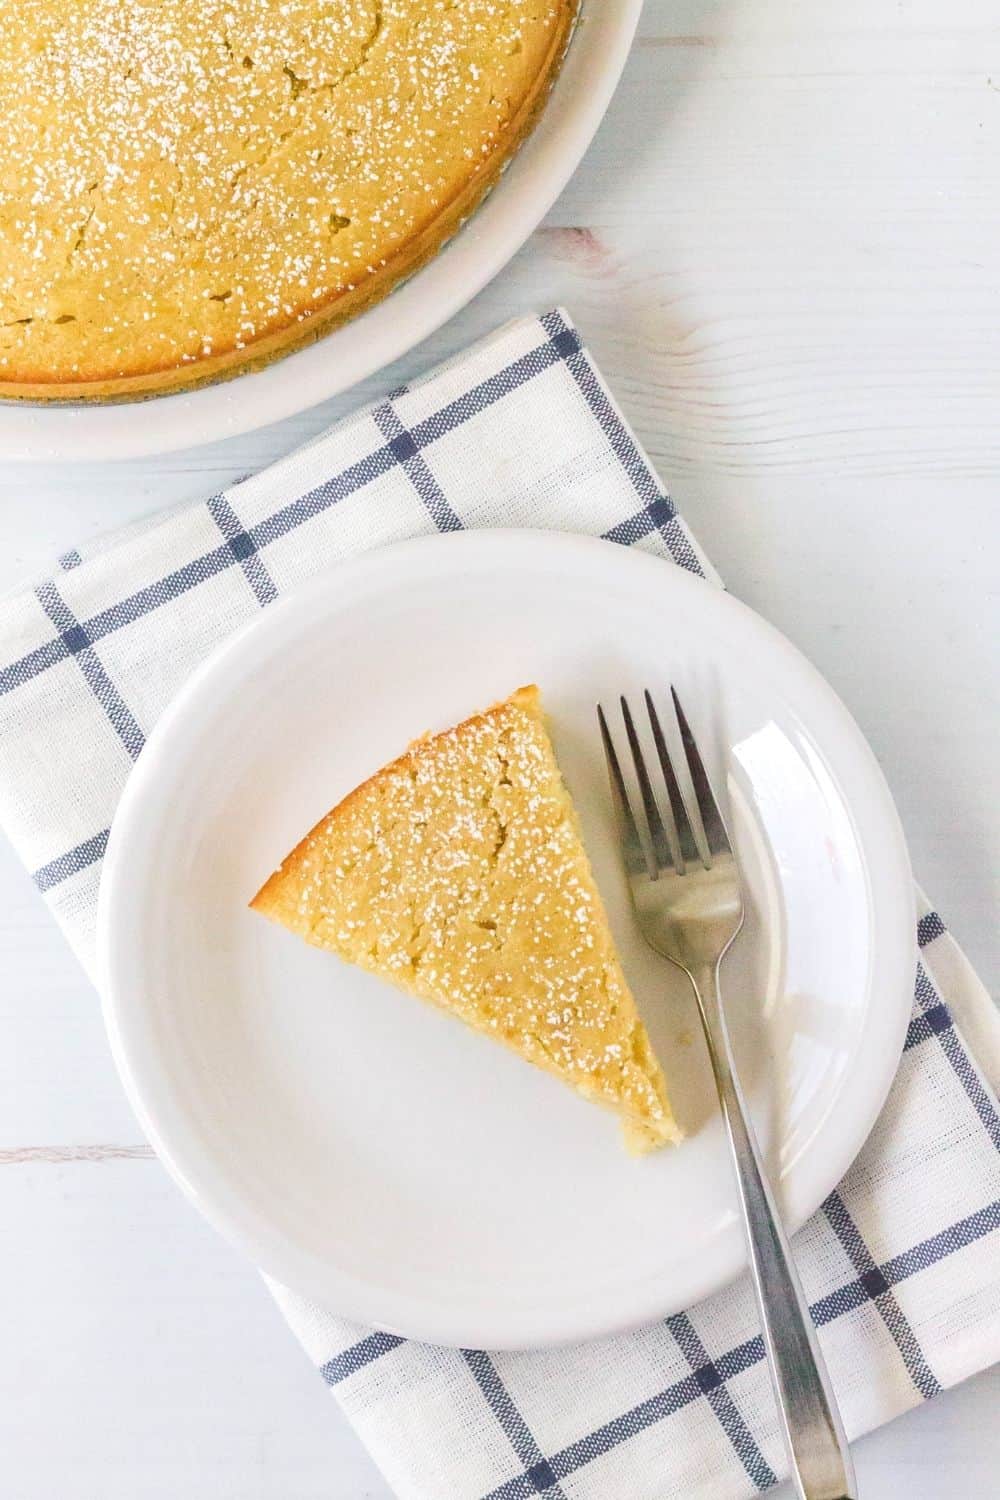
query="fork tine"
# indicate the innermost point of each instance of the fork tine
(711, 818)
(634, 852)
(662, 851)
(687, 844)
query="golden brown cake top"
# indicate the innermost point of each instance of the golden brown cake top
(181, 180)
(459, 872)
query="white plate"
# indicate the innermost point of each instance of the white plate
(498, 229)
(378, 1156)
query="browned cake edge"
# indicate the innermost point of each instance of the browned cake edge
(343, 305)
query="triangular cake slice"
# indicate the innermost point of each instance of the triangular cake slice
(458, 873)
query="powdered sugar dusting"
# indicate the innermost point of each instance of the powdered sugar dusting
(180, 180)
(459, 872)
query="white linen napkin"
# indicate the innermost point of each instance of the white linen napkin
(901, 1263)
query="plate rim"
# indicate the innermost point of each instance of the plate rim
(529, 185)
(892, 905)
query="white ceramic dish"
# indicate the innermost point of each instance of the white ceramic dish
(377, 1155)
(496, 231)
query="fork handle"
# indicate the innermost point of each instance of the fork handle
(821, 1462)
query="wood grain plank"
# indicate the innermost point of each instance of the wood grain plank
(59, 1155)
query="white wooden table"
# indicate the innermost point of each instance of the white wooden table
(784, 250)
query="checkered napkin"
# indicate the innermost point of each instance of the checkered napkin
(900, 1264)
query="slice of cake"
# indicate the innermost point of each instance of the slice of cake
(458, 872)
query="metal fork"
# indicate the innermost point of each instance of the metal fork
(689, 905)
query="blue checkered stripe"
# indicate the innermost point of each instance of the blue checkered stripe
(651, 521)
(872, 1285)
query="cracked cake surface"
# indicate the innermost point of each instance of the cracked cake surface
(188, 189)
(458, 873)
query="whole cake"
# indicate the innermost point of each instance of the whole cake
(190, 188)
(458, 873)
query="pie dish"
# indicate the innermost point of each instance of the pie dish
(35, 430)
(193, 190)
